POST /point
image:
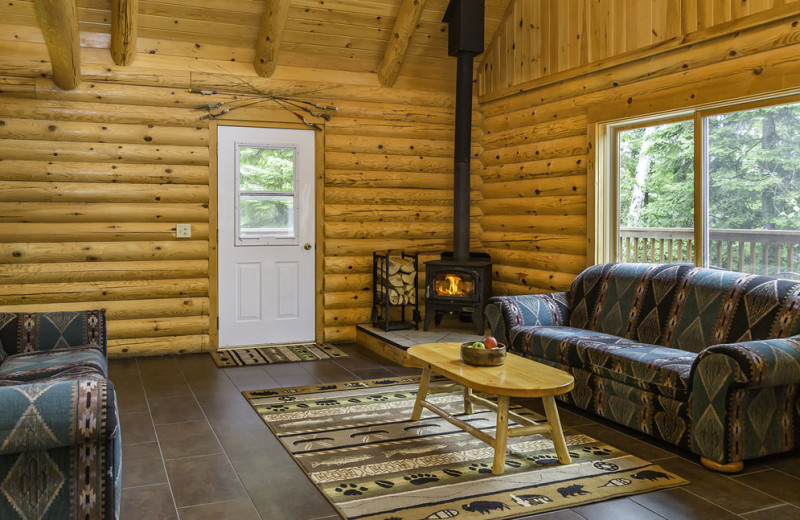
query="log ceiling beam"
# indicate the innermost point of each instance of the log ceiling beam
(124, 26)
(59, 22)
(404, 27)
(269, 36)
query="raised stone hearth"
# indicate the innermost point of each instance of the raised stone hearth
(394, 343)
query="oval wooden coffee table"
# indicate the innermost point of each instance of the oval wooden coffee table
(518, 377)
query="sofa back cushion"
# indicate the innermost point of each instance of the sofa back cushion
(719, 307)
(682, 306)
(36, 331)
(627, 300)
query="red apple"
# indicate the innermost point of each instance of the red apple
(490, 342)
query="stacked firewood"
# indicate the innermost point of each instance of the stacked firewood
(402, 280)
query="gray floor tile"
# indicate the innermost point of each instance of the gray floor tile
(143, 465)
(242, 509)
(203, 480)
(152, 502)
(187, 439)
(181, 408)
(137, 428)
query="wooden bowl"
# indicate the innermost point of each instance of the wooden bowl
(483, 357)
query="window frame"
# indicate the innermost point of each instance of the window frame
(604, 209)
(264, 238)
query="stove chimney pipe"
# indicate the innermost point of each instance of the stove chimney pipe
(465, 40)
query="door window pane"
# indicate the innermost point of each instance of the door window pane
(266, 169)
(656, 193)
(266, 197)
(754, 190)
(273, 215)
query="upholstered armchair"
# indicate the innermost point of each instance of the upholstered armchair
(60, 445)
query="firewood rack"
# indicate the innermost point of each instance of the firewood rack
(395, 280)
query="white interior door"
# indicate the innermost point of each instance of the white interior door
(266, 235)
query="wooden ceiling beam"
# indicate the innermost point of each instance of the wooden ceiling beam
(124, 26)
(59, 22)
(404, 27)
(269, 36)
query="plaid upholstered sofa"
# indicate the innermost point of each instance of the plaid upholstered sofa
(59, 432)
(702, 358)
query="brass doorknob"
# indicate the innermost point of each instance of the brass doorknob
(306, 246)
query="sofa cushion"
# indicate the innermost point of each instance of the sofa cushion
(65, 363)
(716, 307)
(628, 300)
(683, 306)
(661, 370)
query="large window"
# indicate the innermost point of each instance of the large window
(718, 188)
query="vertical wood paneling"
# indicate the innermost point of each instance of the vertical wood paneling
(552, 42)
(526, 27)
(620, 37)
(546, 23)
(643, 29)
(673, 19)
(689, 21)
(658, 20)
(558, 35)
(705, 13)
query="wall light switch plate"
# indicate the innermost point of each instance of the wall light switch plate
(183, 230)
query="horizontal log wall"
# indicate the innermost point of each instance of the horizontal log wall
(94, 180)
(88, 207)
(536, 193)
(540, 38)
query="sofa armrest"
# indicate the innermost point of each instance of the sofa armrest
(728, 380)
(37, 331)
(52, 414)
(506, 312)
(764, 363)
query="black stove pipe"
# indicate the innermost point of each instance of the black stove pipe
(461, 156)
(465, 40)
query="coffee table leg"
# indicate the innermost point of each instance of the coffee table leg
(468, 408)
(501, 436)
(556, 433)
(421, 393)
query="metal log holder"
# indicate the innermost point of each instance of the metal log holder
(381, 306)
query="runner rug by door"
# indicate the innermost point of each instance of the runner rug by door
(268, 354)
(357, 444)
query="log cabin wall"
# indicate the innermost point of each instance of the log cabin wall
(94, 180)
(539, 136)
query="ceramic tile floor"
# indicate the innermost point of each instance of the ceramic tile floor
(194, 449)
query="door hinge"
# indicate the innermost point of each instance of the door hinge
(217, 322)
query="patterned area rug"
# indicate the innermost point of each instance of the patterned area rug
(266, 355)
(357, 444)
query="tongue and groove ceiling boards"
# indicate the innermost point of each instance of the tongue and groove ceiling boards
(344, 35)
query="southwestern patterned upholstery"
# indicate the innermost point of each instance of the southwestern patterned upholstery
(59, 432)
(702, 358)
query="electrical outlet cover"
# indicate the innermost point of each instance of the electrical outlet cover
(183, 230)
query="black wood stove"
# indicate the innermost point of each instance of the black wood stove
(458, 288)
(461, 282)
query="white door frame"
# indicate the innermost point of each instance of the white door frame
(213, 231)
